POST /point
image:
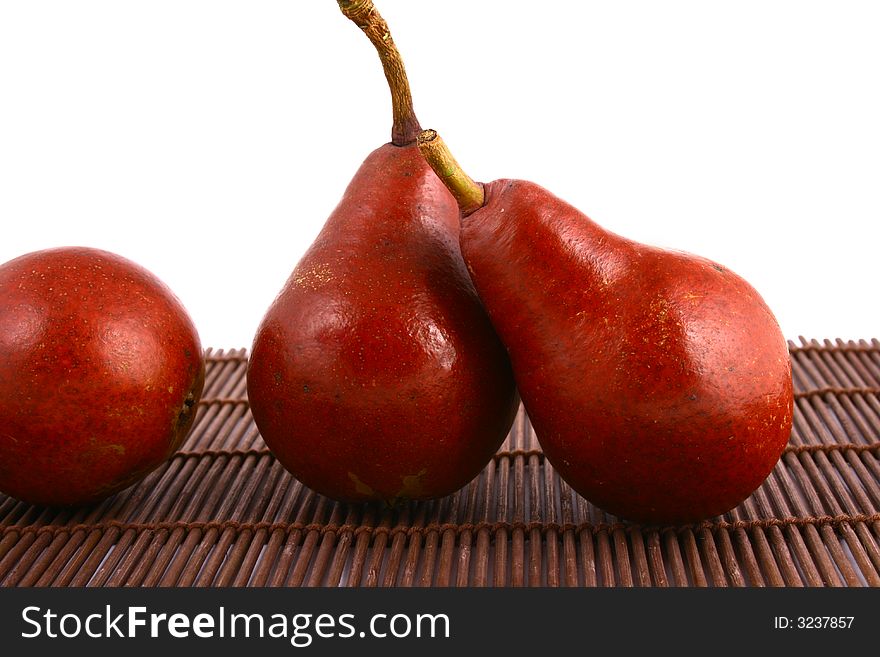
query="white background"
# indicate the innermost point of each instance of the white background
(208, 140)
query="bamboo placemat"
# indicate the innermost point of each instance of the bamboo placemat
(223, 512)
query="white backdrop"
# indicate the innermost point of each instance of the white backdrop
(208, 140)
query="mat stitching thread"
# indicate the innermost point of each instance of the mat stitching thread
(821, 392)
(492, 527)
(218, 453)
(526, 453)
(847, 447)
(222, 401)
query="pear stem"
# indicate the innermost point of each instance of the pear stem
(469, 194)
(362, 13)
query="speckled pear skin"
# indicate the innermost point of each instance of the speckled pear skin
(658, 382)
(376, 374)
(101, 369)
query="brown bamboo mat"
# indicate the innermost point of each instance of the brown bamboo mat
(223, 512)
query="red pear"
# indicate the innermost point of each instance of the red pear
(658, 382)
(376, 374)
(100, 371)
